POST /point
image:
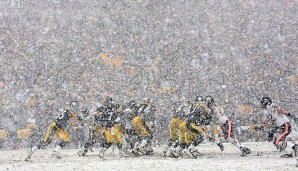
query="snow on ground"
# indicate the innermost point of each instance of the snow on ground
(264, 157)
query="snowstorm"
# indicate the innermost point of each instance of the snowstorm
(148, 85)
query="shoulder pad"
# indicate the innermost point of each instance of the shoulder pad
(71, 114)
(203, 106)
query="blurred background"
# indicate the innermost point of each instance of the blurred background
(55, 51)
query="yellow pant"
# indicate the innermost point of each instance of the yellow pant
(113, 134)
(95, 132)
(174, 128)
(216, 129)
(190, 136)
(186, 135)
(182, 130)
(59, 132)
(139, 127)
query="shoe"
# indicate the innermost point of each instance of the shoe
(244, 151)
(142, 150)
(123, 154)
(176, 152)
(295, 148)
(287, 155)
(102, 152)
(136, 152)
(30, 152)
(149, 151)
(190, 153)
(81, 152)
(165, 151)
(56, 154)
(221, 147)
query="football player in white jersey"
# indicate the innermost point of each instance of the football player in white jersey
(227, 127)
(280, 128)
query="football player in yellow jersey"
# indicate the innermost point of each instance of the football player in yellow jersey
(190, 131)
(57, 129)
(112, 132)
(178, 117)
(144, 125)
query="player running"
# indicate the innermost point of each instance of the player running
(57, 129)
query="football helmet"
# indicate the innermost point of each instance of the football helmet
(85, 111)
(146, 100)
(209, 100)
(266, 101)
(199, 99)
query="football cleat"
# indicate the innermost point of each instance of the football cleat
(221, 147)
(29, 155)
(244, 151)
(287, 155)
(123, 154)
(175, 152)
(191, 153)
(81, 153)
(295, 148)
(102, 152)
(56, 154)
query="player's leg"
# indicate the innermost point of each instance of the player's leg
(88, 139)
(64, 139)
(229, 135)
(118, 139)
(285, 147)
(42, 144)
(138, 126)
(193, 138)
(107, 141)
(177, 151)
(216, 134)
(174, 131)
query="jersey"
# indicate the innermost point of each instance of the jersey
(62, 120)
(202, 114)
(179, 112)
(129, 114)
(222, 118)
(187, 109)
(276, 114)
(84, 119)
(147, 111)
(108, 116)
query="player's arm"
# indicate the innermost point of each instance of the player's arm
(281, 111)
(73, 120)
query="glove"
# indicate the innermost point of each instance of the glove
(261, 127)
(270, 136)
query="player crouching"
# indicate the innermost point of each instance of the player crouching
(280, 128)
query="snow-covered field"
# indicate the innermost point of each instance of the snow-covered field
(264, 157)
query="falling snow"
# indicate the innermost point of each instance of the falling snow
(54, 51)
